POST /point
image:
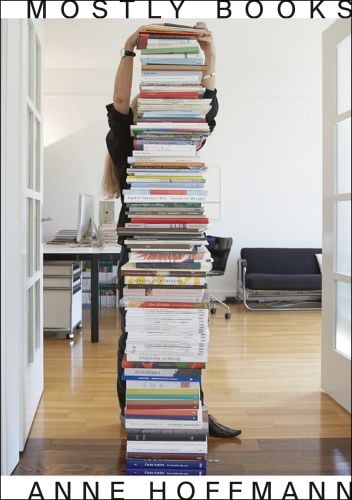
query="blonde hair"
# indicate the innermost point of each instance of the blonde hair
(110, 183)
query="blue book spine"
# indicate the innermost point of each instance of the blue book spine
(161, 417)
(166, 185)
(166, 464)
(162, 396)
(161, 379)
(163, 472)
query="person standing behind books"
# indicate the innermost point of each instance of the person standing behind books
(120, 146)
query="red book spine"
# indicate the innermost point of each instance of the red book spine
(169, 221)
(162, 33)
(142, 40)
(171, 305)
(178, 406)
(152, 364)
(170, 120)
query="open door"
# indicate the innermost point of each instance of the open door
(22, 370)
(33, 371)
(336, 333)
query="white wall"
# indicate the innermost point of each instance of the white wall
(267, 140)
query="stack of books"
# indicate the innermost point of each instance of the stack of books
(165, 290)
(63, 236)
(108, 234)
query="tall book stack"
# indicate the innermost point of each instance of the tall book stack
(165, 290)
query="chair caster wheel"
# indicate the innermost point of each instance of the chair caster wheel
(70, 336)
(213, 310)
(227, 315)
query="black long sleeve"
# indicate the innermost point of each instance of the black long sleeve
(119, 141)
(210, 117)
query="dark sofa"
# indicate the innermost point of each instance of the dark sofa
(279, 278)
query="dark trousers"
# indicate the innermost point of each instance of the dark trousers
(121, 384)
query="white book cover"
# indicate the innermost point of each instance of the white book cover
(190, 148)
(165, 152)
(159, 384)
(139, 423)
(167, 446)
(171, 357)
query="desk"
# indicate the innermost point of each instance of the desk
(94, 255)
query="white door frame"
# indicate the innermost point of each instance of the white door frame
(14, 324)
(31, 203)
(11, 260)
(336, 367)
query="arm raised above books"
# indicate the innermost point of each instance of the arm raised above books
(207, 45)
(124, 75)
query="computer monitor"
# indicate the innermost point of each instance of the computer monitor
(86, 213)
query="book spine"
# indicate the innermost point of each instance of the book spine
(157, 357)
(193, 405)
(153, 417)
(193, 49)
(199, 457)
(169, 67)
(187, 388)
(133, 198)
(166, 464)
(161, 412)
(164, 379)
(160, 94)
(168, 305)
(155, 280)
(142, 40)
(167, 436)
(192, 365)
(137, 423)
(168, 472)
(169, 220)
(170, 151)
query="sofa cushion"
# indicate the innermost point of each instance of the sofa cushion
(262, 281)
(297, 261)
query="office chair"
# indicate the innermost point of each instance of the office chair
(219, 249)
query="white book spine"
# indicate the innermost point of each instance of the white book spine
(167, 446)
(190, 148)
(139, 423)
(150, 151)
(173, 358)
(163, 199)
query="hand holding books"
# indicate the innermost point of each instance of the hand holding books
(207, 45)
(132, 40)
(206, 41)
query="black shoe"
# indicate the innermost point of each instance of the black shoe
(218, 430)
(122, 420)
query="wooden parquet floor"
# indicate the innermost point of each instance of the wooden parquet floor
(263, 376)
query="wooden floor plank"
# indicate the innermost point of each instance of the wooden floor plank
(263, 376)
